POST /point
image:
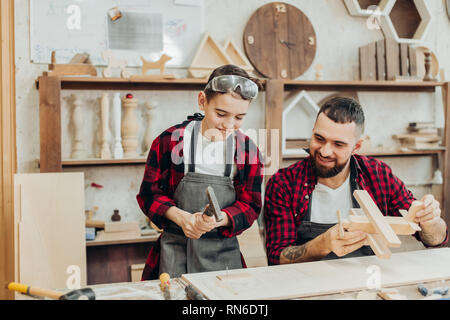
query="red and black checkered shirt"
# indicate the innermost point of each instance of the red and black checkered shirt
(288, 194)
(165, 169)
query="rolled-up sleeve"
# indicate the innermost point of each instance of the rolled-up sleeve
(151, 198)
(278, 218)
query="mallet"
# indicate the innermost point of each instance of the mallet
(79, 294)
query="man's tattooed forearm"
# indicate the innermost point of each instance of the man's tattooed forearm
(293, 254)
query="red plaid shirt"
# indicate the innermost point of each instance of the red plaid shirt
(288, 194)
(165, 169)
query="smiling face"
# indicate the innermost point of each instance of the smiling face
(332, 145)
(224, 113)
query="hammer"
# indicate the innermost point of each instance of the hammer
(213, 209)
(79, 294)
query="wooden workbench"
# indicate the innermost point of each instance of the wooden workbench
(439, 277)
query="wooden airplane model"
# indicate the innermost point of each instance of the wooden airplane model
(382, 230)
(79, 65)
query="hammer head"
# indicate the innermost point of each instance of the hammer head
(80, 294)
(213, 209)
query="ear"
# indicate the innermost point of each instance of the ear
(201, 100)
(358, 145)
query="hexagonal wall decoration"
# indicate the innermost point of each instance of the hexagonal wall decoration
(360, 8)
(303, 123)
(406, 21)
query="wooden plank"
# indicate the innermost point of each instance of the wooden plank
(446, 156)
(381, 60)
(8, 163)
(252, 247)
(367, 62)
(122, 226)
(412, 61)
(361, 222)
(117, 236)
(392, 59)
(50, 124)
(341, 228)
(136, 272)
(274, 122)
(376, 217)
(140, 239)
(415, 207)
(413, 225)
(51, 238)
(319, 278)
(404, 63)
(378, 246)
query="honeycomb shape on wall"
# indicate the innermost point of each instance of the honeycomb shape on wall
(406, 21)
(362, 8)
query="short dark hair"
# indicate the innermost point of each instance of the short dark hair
(344, 110)
(228, 69)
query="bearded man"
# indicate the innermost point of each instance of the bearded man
(301, 201)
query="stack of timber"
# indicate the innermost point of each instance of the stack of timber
(420, 136)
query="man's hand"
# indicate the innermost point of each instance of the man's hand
(351, 241)
(431, 211)
(429, 219)
(325, 243)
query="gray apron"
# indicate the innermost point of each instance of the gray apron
(212, 252)
(309, 230)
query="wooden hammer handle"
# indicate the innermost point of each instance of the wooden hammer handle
(14, 286)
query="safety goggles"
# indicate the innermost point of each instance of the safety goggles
(226, 83)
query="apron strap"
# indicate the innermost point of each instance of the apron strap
(194, 139)
(229, 154)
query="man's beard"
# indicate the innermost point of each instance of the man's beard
(323, 172)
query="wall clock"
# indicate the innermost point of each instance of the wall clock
(280, 41)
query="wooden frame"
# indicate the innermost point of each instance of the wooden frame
(8, 163)
(354, 8)
(313, 109)
(390, 31)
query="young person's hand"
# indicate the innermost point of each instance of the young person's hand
(185, 221)
(189, 224)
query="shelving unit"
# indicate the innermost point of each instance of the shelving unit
(274, 109)
(411, 153)
(50, 113)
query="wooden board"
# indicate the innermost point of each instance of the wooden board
(252, 247)
(376, 217)
(392, 59)
(404, 63)
(264, 34)
(381, 60)
(136, 272)
(378, 246)
(50, 123)
(362, 223)
(50, 233)
(122, 226)
(323, 277)
(367, 62)
(412, 57)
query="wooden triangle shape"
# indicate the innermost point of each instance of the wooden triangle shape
(236, 56)
(209, 56)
